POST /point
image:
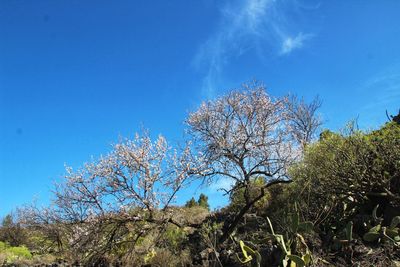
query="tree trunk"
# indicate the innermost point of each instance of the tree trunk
(230, 227)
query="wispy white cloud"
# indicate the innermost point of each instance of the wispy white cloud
(259, 25)
(290, 44)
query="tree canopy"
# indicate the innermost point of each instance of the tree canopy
(247, 134)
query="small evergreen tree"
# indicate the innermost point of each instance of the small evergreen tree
(203, 201)
(191, 203)
(11, 231)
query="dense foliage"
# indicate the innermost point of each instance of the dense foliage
(351, 172)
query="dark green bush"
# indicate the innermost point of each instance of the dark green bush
(345, 174)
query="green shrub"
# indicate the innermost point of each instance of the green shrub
(20, 252)
(237, 198)
(343, 172)
(3, 246)
(174, 237)
(11, 254)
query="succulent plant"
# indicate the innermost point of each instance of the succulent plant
(380, 233)
(295, 260)
(249, 254)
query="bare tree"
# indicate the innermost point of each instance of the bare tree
(246, 134)
(44, 221)
(303, 119)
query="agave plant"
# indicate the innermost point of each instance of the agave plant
(380, 233)
(288, 258)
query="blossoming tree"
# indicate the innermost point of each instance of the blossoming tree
(247, 134)
(117, 199)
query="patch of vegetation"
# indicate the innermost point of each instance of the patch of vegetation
(296, 199)
(10, 254)
(201, 202)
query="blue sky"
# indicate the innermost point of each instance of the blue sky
(77, 75)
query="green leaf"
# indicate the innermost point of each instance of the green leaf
(371, 236)
(307, 258)
(375, 229)
(392, 232)
(395, 222)
(246, 260)
(281, 241)
(296, 259)
(284, 262)
(306, 227)
(245, 249)
(374, 213)
(270, 226)
(295, 222)
(349, 231)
